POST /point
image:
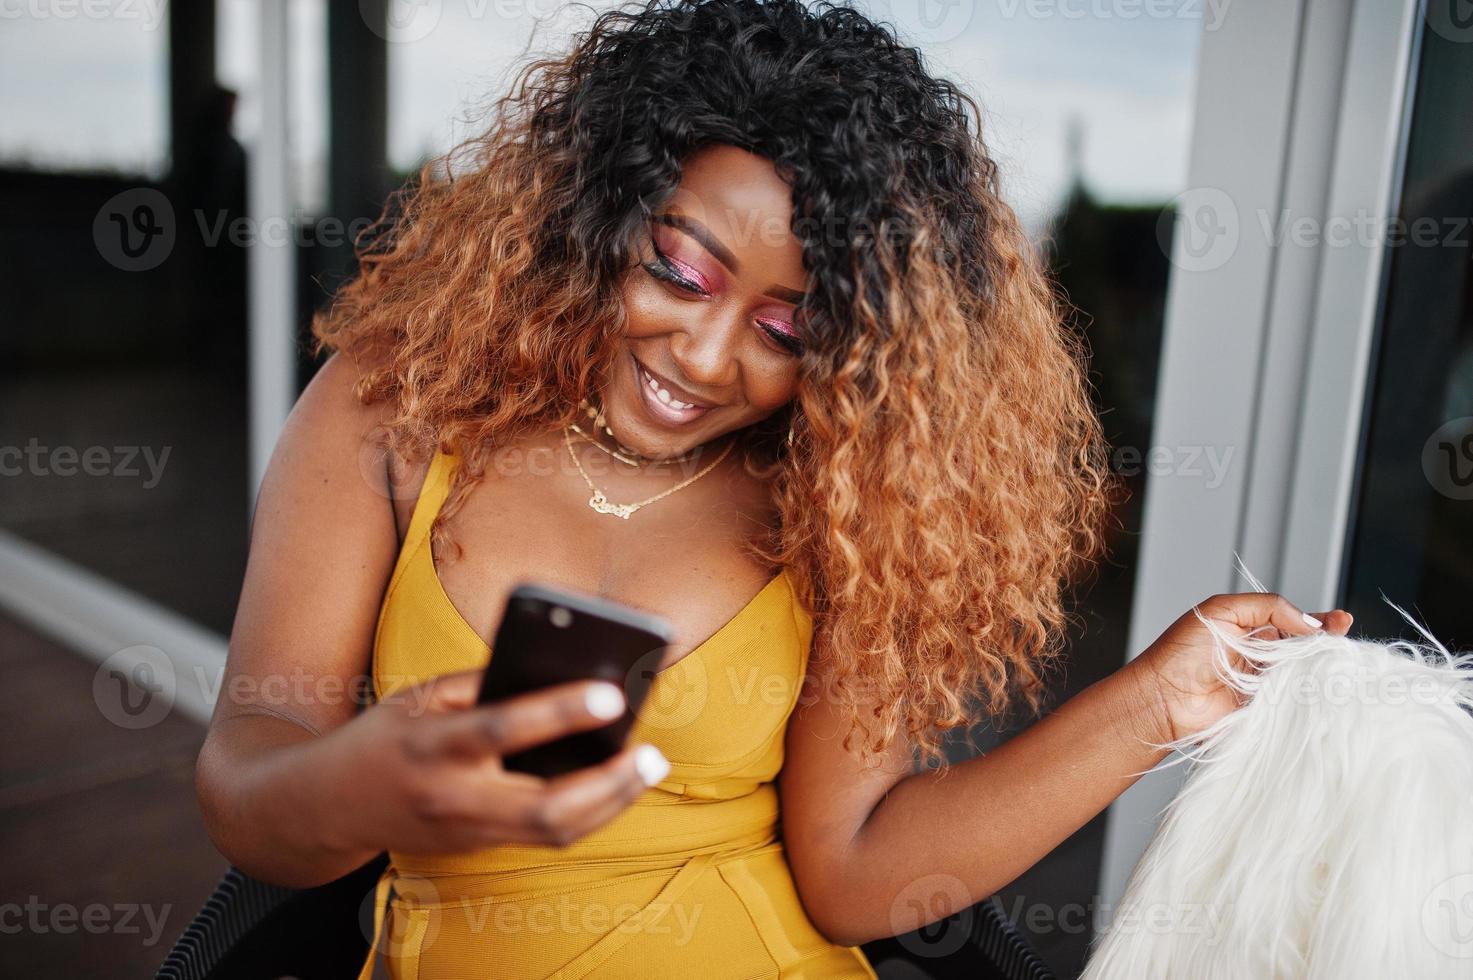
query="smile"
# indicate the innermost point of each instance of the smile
(663, 405)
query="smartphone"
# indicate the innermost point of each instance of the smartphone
(551, 635)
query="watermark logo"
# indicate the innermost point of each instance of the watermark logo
(924, 915)
(405, 21)
(409, 924)
(1199, 229)
(1451, 19)
(677, 695)
(1447, 917)
(927, 21)
(135, 687)
(135, 230)
(1447, 459)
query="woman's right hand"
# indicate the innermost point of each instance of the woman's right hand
(421, 771)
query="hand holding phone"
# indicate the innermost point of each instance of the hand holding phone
(550, 635)
(410, 772)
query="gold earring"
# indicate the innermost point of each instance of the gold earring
(790, 434)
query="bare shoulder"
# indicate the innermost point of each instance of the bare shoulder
(322, 545)
(334, 426)
(330, 415)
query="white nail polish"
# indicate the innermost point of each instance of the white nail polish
(652, 764)
(605, 701)
(1313, 622)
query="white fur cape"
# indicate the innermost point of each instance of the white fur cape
(1325, 830)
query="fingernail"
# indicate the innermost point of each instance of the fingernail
(1313, 622)
(604, 701)
(652, 764)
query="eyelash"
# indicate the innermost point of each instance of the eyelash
(661, 269)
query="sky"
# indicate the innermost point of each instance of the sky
(79, 92)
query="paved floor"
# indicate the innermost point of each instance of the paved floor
(105, 858)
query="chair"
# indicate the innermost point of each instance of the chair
(248, 930)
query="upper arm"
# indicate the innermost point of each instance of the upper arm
(322, 546)
(827, 792)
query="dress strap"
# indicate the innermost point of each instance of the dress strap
(380, 906)
(432, 495)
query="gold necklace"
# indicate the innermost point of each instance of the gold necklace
(602, 504)
(623, 453)
(596, 413)
(612, 452)
(620, 456)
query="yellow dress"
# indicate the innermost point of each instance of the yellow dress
(690, 882)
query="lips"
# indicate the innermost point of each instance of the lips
(665, 402)
(676, 392)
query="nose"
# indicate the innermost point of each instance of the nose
(705, 351)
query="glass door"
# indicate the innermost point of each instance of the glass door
(1413, 515)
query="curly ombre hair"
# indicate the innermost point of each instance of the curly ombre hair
(947, 473)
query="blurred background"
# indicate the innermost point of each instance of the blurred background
(1261, 209)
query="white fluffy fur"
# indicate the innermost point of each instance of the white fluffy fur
(1325, 831)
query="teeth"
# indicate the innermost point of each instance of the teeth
(664, 395)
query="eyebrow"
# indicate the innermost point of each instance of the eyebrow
(712, 244)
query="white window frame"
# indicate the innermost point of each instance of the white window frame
(1300, 107)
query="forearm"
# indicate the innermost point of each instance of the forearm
(265, 797)
(992, 817)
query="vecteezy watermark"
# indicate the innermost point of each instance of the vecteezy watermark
(148, 13)
(1451, 19)
(568, 914)
(932, 916)
(1204, 919)
(1447, 459)
(1212, 13)
(408, 21)
(925, 21)
(135, 687)
(422, 912)
(299, 228)
(35, 459)
(1447, 916)
(1191, 462)
(1359, 684)
(1364, 229)
(63, 918)
(135, 229)
(1199, 229)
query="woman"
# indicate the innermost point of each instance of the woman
(725, 320)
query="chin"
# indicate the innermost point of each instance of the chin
(625, 417)
(649, 428)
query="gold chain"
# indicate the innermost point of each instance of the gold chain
(602, 504)
(612, 452)
(623, 454)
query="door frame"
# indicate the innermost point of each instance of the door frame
(1267, 347)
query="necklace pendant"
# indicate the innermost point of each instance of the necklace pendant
(601, 504)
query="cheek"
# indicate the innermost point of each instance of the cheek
(770, 388)
(642, 310)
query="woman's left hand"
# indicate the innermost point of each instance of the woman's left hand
(1177, 670)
